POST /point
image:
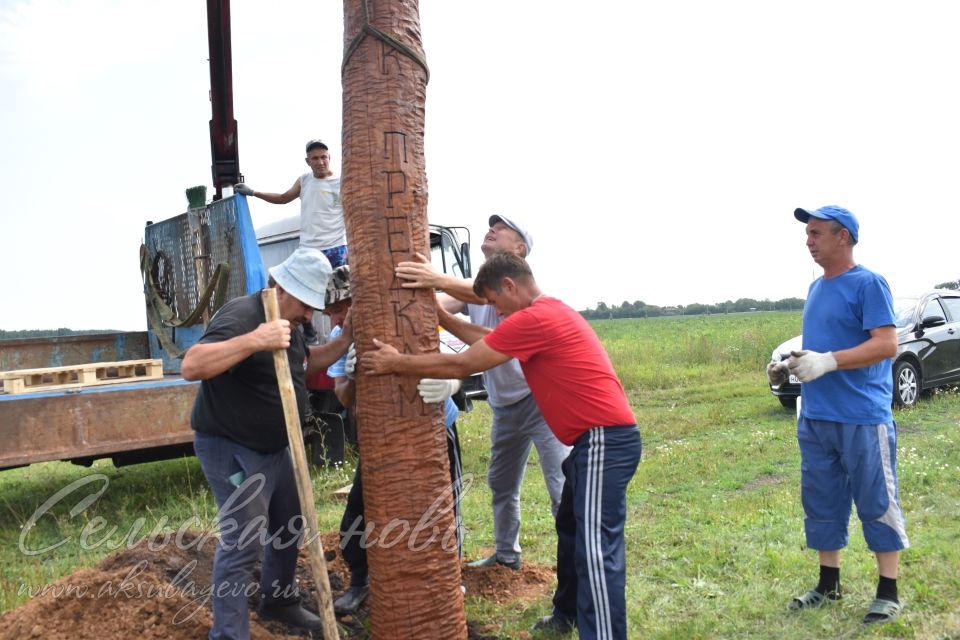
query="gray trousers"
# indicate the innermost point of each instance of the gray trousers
(515, 428)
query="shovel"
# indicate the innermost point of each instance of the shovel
(318, 565)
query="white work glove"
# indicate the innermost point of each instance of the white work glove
(778, 373)
(350, 366)
(432, 390)
(810, 365)
(242, 188)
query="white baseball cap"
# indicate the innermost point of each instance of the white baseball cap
(527, 238)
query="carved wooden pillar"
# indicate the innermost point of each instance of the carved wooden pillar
(414, 566)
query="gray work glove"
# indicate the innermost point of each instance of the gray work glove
(778, 373)
(433, 390)
(810, 365)
(350, 366)
(243, 189)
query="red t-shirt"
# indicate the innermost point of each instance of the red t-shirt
(569, 372)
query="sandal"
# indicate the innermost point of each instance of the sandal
(882, 611)
(813, 599)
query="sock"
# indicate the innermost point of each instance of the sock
(829, 580)
(887, 589)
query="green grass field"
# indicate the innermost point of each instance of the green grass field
(714, 533)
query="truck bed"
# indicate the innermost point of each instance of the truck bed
(81, 425)
(128, 422)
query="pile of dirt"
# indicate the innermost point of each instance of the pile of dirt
(160, 589)
(502, 585)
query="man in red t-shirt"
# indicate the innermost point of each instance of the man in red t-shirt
(583, 402)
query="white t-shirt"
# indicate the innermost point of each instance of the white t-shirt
(505, 383)
(321, 213)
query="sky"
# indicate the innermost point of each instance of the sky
(655, 150)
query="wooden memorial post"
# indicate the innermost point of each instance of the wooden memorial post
(412, 551)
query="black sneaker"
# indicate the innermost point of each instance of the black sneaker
(351, 600)
(494, 560)
(292, 615)
(554, 623)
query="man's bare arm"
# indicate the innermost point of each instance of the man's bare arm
(289, 195)
(207, 360)
(449, 303)
(384, 359)
(345, 389)
(469, 332)
(324, 355)
(881, 344)
(810, 365)
(420, 274)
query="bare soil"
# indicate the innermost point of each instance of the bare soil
(158, 589)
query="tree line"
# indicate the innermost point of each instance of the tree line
(635, 309)
(49, 333)
(640, 309)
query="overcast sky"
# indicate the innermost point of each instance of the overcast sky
(656, 150)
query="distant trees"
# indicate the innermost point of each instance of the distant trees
(47, 333)
(950, 284)
(640, 309)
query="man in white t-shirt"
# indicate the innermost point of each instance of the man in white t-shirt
(321, 213)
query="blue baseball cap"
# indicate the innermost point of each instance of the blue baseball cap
(832, 212)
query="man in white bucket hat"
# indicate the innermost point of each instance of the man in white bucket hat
(241, 440)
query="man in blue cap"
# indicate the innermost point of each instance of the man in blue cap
(846, 431)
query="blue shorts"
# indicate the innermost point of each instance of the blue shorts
(845, 464)
(336, 255)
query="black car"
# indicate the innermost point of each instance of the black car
(928, 355)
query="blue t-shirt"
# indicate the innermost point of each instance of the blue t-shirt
(338, 370)
(839, 314)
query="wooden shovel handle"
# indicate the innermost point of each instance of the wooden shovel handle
(318, 565)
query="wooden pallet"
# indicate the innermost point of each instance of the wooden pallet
(80, 375)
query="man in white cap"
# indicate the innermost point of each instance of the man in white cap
(241, 441)
(517, 422)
